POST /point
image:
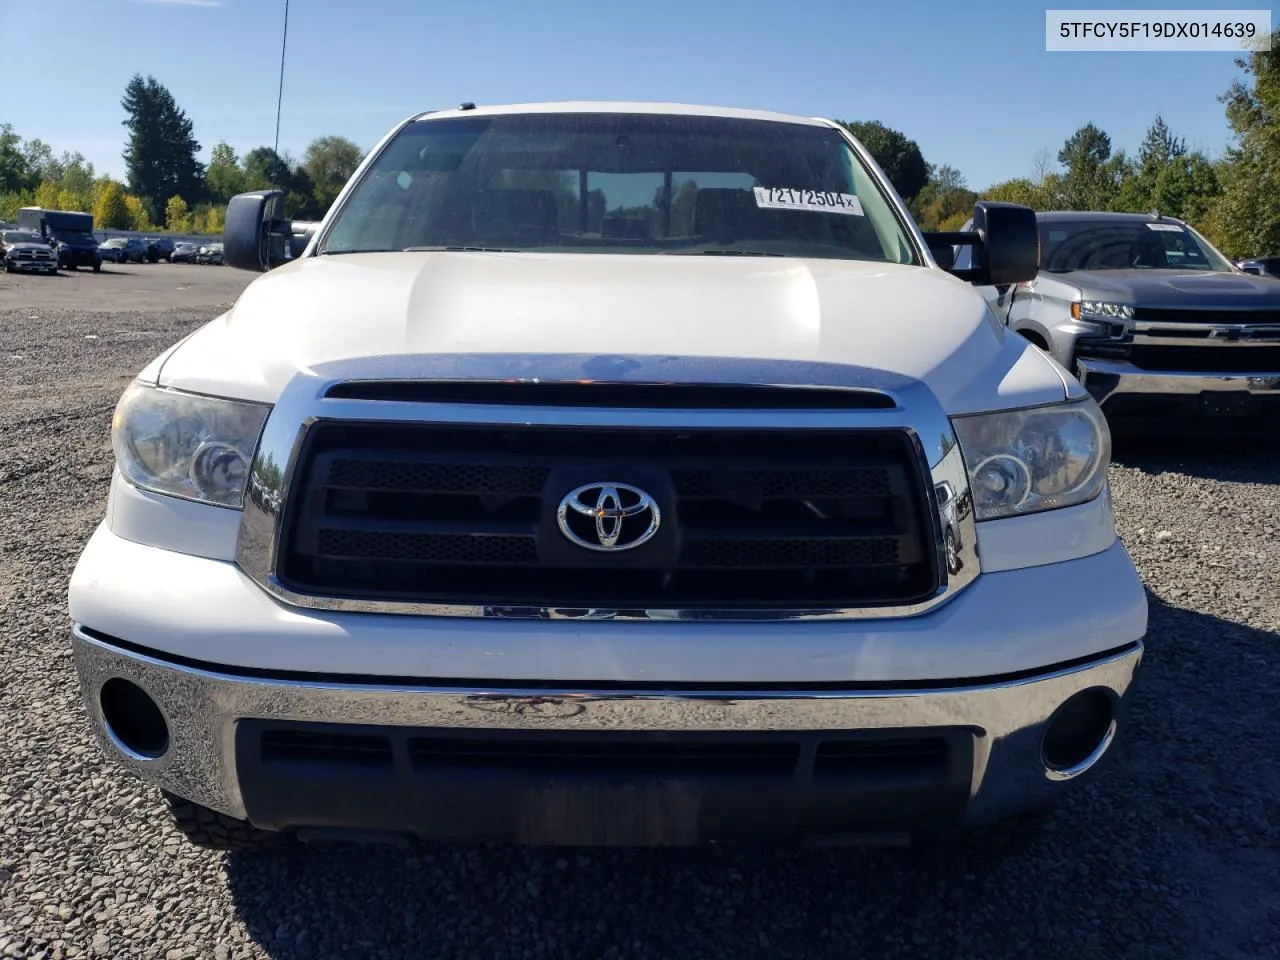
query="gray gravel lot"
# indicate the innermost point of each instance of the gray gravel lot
(1174, 853)
(123, 288)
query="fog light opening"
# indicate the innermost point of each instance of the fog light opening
(1078, 734)
(133, 720)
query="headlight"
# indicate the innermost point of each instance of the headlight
(1040, 458)
(1101, 310)
(185, 445)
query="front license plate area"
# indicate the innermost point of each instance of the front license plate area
(1227, 403)
(640, 814)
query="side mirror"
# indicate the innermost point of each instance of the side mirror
(1010, 241)
(1006, 245)
(256, 236)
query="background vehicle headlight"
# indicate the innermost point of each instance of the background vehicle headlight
(1040, 458)
(186, 445)
(1101, 310)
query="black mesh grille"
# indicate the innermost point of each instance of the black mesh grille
(1245, 358)
(781, 483)
(426, 548)
(437, 477)
(790, 553)
(753, 519)
(1162, 315)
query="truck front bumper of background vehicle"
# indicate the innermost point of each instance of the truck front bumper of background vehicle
(583, 764)
(1110, 380)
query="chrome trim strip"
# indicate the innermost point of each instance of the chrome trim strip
(1108, 378)
(303, 404)
(203, 705)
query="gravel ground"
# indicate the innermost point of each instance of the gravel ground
(1174, 853)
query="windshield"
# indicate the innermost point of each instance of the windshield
(1105, 244)
(620, 183)
(13, 236)
(115, 243)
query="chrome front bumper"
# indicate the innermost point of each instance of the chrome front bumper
(1005, 719)
(1108, 378)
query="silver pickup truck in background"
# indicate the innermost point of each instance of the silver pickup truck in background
(1149, 316)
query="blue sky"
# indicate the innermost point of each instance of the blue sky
(970, 82)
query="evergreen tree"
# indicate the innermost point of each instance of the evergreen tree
(160, 156)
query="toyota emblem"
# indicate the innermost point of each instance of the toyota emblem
(614, 516)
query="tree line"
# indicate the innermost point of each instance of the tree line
(1234, 200)
(166, 186)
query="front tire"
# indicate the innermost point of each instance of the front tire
(97, 268)
(211, 830)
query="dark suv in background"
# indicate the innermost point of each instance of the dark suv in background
(159, 248)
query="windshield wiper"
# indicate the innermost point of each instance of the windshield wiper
(731, 253)
(440, 248)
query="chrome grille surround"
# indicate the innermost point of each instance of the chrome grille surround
(304, 403)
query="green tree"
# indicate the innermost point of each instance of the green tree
(945, 201)
(263, 168)
(109, 210)
(215, 219)
(76, 183)
(161, 152)
(177, 215)
(139, 215)
(1160, 147)
(208, 218)
(40, 162)
(47, 195)
(1041, 196)
(224, 179)
(898, 157)
(330, 162)
(1245, 219)
(13, 165)
(11, 202)
(1093, 176)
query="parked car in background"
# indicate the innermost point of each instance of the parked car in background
(212, 254)
(1261, 266)
(25, 252)
(184, 253)
(1151, 318)
(123, 250)
(159, 248)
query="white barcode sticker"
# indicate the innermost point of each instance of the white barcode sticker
(1166, 227)
(819, 201)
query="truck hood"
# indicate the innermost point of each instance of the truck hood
(1180, 289)
(915, 322)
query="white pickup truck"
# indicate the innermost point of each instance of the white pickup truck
(608, 474)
